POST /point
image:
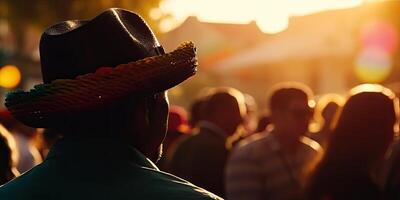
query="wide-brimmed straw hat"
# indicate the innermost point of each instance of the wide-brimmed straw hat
(89, 64)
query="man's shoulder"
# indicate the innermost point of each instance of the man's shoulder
(253, 146)
(150, 184)
(256, 141)
(24, 186)
(168, 186)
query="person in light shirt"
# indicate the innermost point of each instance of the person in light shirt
(269, 165)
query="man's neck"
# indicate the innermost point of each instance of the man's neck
(287, 142)
(214, 127)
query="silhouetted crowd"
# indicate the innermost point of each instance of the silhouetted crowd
(332, 147)
(352, 152)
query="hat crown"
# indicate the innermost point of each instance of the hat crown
(77, 47)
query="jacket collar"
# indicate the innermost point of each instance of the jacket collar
(92, 149)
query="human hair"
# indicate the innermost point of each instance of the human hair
(327, 108)
(368, 118)
(224, 97)
(284, 93)
(362, 134)
(196, 111)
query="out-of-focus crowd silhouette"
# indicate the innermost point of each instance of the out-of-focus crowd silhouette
(303, 147)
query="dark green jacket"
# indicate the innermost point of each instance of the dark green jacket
(98, 169)
(201, 156)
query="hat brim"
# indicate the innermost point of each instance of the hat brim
(45, 104)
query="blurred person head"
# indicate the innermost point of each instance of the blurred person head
(327, 108)
(225, 107)
(177, 125)
(197, 107)
(360, 139)
(365, 127)
(178, 120)
(8, 156)
(196, 111)
(263, 121)
(291, 109)
(249, 122)
(105, 88)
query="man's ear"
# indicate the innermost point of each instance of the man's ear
(150, 115)
(158, 108)
(137, 125)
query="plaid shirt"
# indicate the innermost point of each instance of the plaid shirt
(258, 169)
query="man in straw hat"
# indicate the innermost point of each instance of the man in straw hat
(104, 91)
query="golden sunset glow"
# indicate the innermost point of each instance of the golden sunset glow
(271, 16)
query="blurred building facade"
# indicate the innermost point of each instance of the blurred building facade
(320, 50)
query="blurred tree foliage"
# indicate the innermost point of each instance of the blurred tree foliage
(43, 13)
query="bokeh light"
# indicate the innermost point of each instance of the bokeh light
(379, 42)
(10, 76)
(379, 34)
(373, 65)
